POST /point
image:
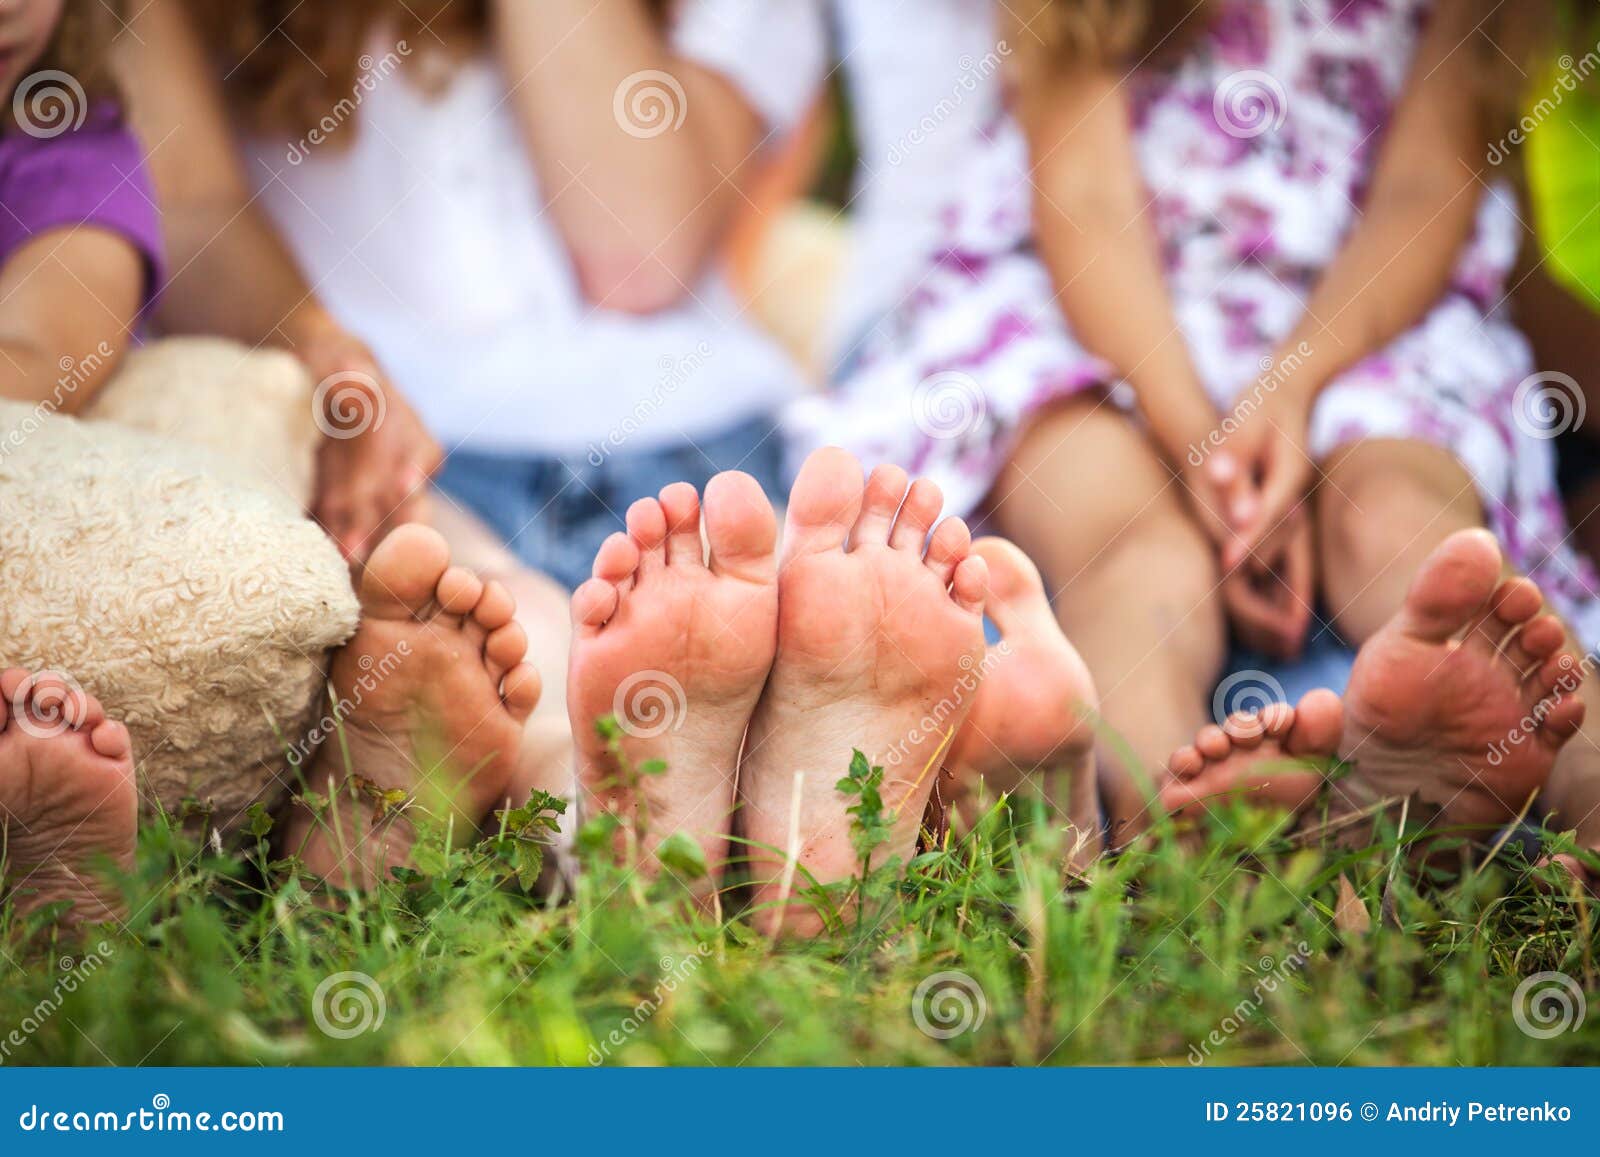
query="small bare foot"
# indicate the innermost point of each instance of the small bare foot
(432, 695)
(873, 642)
(67, 797)
(676, 648)
(1035, 706)
(1464, 697)
(1278, 757)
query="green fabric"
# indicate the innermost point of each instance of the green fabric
(1563, 156)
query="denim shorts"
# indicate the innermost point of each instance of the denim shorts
(554, 512)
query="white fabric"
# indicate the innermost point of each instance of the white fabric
(421, 224)
(924, 78)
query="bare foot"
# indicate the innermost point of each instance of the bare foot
(873, 642)
(1278, 757)
(677, 650)
(1464, 697)
(67, 797)
(1035, 707)
(432, 694)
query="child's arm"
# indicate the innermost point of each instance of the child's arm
(233, 276)
(1394, 265)
(639, 198)
(1090, 214)
(68, 299)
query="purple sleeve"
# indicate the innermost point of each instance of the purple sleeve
(94, 175)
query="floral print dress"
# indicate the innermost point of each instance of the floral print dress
(1257, 148)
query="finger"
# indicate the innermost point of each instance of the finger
(1240, 501)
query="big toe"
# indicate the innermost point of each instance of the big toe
(1318, 726)
(741, 527)
(1453, 585)
(403, 574)
(1016, 589)
(824, 503)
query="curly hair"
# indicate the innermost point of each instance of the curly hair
(81, 48)
(287, 62)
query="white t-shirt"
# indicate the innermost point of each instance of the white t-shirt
(425, 233)
(924, 78)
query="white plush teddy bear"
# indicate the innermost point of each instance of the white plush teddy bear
(157, 551)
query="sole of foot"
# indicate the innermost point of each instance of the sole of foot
(674, 647)
(433, 694)
(1278, 758)
(1034, 712)
(877, 624)
(1464, 698)
(68, 802)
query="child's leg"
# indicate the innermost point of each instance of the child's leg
(1136, 585)
(1383, 507)
(542, 611)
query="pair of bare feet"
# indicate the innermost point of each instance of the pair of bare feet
(743, 679)
(1459, 704)
(863, 634)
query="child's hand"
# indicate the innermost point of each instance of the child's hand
(1266, 470)
(375, 461)
(1269, 597)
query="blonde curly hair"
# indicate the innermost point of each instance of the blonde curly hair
(287, 61)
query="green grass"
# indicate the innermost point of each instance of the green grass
(1139, 964)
